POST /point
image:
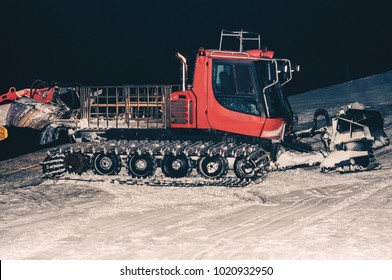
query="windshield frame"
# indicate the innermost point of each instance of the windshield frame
(275, 101)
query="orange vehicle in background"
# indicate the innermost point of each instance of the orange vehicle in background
(44, 94)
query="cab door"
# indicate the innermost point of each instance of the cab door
(233, 100)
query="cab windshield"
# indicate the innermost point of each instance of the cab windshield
(250, 88)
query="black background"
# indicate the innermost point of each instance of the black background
(96, 42)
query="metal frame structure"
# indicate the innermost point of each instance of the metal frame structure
(129, 106)
(242, 36)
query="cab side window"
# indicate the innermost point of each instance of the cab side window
(234, 86)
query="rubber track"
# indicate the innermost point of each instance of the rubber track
(53, 165)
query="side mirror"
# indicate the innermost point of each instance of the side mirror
(296, 68)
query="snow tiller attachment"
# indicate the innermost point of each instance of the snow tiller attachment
(349, 143)
(356, 133)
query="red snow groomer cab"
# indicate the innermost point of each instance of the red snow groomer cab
(237, 92)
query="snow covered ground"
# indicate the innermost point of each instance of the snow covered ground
(295, 214)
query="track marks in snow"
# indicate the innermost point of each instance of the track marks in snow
(311, 207)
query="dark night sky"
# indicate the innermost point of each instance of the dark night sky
(96, 42)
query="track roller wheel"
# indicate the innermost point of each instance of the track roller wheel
(141, 166)
(106, 164)
(76, 163)
(245, 169)
(176, 166)
(212, 167)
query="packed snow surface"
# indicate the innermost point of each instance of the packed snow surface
(292, 214)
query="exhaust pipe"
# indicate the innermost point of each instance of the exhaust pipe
(184, 71)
